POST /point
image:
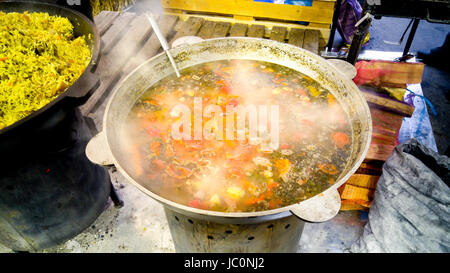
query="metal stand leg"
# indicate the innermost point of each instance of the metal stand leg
(115, 197)
(358, 40)
(411, 37)
(337, 9)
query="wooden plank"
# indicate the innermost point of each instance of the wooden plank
(387, 120)
(99, 19)
(238, 30)
(221, 29)
(387, 117)
(386, 103)
(112, 63)
(148, 50)
(207, 29)
(363, 180)
(350, 203)
(322, 42)
(256, 31)
(115, 32)
(319, 12)
(382, 139)
(385, 126)
(371, 169)
(104, 20)
(179, 25)
(138, 31)
(278, 34)
(318, 25)
(152, 45)
(190, 27)
(109, 39)
(400, 73)
(324, 32)
(379, 152)
(245, 18)
(351, 192)
(345, 207)
(311, 41)
(296, 37)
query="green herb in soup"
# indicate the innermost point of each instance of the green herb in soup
(238, 175)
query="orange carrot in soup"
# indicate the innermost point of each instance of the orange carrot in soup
(327, 168)
(156, 147)
(283, 166)
(340, 139)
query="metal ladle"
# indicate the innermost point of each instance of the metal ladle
(163, 41)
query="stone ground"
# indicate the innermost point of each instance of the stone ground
(141, 226)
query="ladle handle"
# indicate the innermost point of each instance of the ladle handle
(157, 31)
(163, 41)
(320, 208)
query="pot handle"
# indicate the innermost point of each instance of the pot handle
(346, 68)
(82, 89)
(97, 150)
(320, 208)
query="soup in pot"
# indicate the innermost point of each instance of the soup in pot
(237, 136)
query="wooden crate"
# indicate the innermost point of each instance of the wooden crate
(320, 14)
(212, 28)
(387, 117)
(271, 16)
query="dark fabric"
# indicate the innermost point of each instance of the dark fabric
(411, 208)
(349, 14)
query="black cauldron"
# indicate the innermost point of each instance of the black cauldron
(49, 190)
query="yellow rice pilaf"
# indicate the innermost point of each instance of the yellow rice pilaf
(39, 59)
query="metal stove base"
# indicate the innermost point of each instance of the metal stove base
(198, 236)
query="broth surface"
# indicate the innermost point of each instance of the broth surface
(238, 175)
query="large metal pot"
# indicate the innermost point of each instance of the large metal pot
(105, 147)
